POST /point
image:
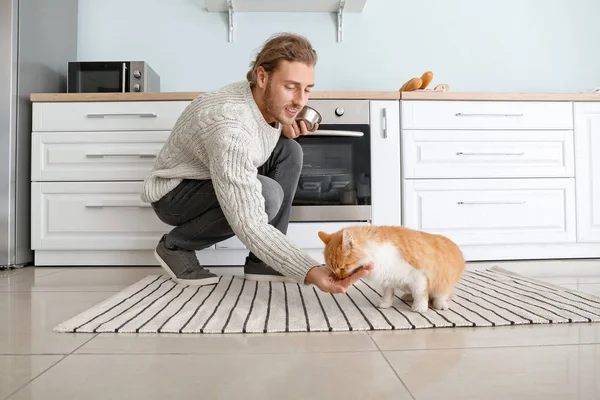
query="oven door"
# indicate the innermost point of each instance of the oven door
(335, 183)
(98, 77)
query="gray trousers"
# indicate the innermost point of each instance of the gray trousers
(194, 211)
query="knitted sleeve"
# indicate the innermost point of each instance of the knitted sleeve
(238, 190)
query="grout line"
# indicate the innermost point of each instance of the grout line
(236, 353)
(393, 369)
(495, 347)
(49, 368)
(35, 377)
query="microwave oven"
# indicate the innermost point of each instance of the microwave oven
(111, 77)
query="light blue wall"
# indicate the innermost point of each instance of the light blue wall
(473, 45)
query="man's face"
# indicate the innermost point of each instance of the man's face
(287, 89)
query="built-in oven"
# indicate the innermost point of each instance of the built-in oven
(335, 183)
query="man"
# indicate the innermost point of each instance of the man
(231, 166)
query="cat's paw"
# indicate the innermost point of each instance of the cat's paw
(407, 297)
(440, 304)
(385, 304)
(420, 307)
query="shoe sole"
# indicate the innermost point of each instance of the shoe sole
(269, 278)
(191, 282)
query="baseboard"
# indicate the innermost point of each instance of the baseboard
(531, 252)
(210, 257)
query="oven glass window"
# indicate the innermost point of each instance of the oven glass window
(336, 171)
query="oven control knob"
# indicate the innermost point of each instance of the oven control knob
(137, 87)
(137, 74)
(339, 111)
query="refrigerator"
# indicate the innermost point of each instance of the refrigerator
(37, 40)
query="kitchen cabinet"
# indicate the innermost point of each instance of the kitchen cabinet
(504, 179)
(386, 180)
(89, 160)
(587, 156)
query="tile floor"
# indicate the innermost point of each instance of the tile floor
(523, 362)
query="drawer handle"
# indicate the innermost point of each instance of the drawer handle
(485, 203)
(102, 155)
(104, 115)
(487, 115)
(460, 153)
(108, 204)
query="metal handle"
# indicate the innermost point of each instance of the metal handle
(320, 132)
(385, 123)
(460, 153)
(104, 115)
(102, 155)
(487, 115)
(116, 204)
(124, 77)
(466, 203)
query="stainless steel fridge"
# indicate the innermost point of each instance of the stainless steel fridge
(37, 40)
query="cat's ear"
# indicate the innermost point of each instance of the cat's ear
(325, 237)
(347, 239)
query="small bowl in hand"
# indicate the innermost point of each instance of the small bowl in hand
(310, 116)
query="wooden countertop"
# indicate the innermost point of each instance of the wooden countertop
(491, 96)
(188, 96)
(316, 95)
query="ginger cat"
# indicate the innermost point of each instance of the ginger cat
(425, 265)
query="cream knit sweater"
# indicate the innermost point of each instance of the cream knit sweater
(223, 136)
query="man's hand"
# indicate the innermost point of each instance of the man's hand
(323, 278)
(297, 128)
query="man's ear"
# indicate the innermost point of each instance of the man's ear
(262, 77)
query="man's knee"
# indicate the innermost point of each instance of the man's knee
(293, 153)
(273, 194)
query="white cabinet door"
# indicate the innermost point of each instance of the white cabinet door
(505, 115)
(587, 165)
(92, 216)
(487, 154)
(94, 156)
(493, 211)
(386, 181)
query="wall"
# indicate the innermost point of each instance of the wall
(473, 45)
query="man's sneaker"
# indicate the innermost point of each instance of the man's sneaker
(183, 266)
(259, 271)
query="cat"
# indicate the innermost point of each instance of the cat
(425, 265)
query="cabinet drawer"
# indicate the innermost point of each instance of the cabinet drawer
(303, 234)
(486, 115)
(107, 116)
(94, 156)
(487, 154)
(92, 216)
(493, 211)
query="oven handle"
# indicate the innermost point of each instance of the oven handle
(335, 133)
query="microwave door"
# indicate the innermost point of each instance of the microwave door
(98, 77)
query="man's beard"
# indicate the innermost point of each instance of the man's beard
(278, 112)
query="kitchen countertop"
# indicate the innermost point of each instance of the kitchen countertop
(316, 95)
(497, 96)
(188, 96)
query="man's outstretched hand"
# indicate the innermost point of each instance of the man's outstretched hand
(323, 278)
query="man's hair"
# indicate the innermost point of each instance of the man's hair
(283, 46)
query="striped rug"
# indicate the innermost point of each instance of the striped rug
(493, 297)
